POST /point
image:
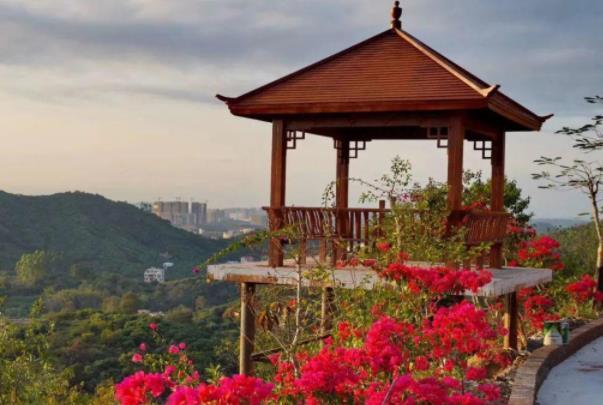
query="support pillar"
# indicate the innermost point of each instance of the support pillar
(497, 198)
(277, 189)
(247, 336)
(456, 136)
(511, 321)
(342, 195)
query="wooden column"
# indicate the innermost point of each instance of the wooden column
(342, 193)
(497, 197)
(247, 336)
(456, 136)
(277, 188)
(511, 321)
(497, 203)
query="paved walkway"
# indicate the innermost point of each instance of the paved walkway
(576, 381)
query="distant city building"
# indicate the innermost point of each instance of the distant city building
(236, 232)
(144, 206)
(254, 216)
(215, 216)
(181, 214)
(154, 274)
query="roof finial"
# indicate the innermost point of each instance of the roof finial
(396, 14)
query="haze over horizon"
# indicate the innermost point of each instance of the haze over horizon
(117, 97)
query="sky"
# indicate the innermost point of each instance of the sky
(116, 97)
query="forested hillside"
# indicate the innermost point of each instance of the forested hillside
(78, 250)
(91, 230)
(71, 267)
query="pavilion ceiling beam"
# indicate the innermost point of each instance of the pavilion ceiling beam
(481, 126)
(377, 121)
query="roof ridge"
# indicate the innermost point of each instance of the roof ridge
(477, 84)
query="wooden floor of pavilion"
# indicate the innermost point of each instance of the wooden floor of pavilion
(505, 280)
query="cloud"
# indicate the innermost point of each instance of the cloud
(536, 49)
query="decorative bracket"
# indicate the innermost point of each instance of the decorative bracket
(354, 147)
(485, 148)
(293, 137)
(439, 133)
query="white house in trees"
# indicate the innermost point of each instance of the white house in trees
(154, 274)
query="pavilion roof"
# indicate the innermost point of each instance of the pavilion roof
(390, 72)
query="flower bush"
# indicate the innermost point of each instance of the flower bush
(443, 358)
(539, 252)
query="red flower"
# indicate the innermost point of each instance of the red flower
(476, 374)
(438, 280)
(137, 358)
(385, 343)
(184, 395)
(584, 289)
(153, 326)
(384, 246)
(421, 363)
(135, 389)
(537, 308)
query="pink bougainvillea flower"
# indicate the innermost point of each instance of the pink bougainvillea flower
(169, 370)
(137, 358)
(142, 347)
(173, 349)
(184, 396)
(182, 346)
(135, 389)
(153, 326)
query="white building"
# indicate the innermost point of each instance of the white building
(154, 274)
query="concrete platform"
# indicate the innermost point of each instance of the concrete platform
(504, 280)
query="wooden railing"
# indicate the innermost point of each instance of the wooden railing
(314, 223)
(350, 227)
(485, 226)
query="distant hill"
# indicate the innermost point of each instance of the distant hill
(546, 225)
(107, 236)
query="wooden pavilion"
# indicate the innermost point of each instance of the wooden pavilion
(389, 87)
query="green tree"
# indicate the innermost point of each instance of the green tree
(32, 268)
(180, 314)
(476, 189)
(27, 376)
(580, 175)
(130, 303)
(111, 304)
